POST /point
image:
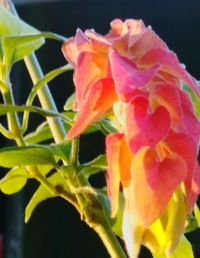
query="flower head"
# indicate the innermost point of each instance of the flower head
(153, 157)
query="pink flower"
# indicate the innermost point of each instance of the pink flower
(129, 57)
(153, 157)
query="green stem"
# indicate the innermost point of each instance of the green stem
(45, 98)
(74, 152)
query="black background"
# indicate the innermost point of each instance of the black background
(55, 229)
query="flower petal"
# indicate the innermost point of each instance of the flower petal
(169, 63)
(143, 128)
(127, 76)
(119, 159)
(185, 146)
(154, 182)
(98, 100)
(90, 67)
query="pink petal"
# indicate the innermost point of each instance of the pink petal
(169, 63)
(127, 76)
(98, 100)
(144, 128)
(168, 96)
(186, 147)
(154, 182)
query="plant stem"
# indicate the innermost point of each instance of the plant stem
(45, 98)
(92, 209)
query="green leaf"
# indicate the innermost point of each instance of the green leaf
(43, 194)
(93, 167)
(70, 102)
(192, 224)
(42, 133)
(23, 156)
(195, 99)
(183, 250)
(5, 108)
(13, 181)
(106, 126)
(11, 25)
(197, 214)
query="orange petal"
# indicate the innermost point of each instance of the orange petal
(119, 161)
(153, 183)
(147, 40)
(90, 68)
(70, 51)
(98, 100)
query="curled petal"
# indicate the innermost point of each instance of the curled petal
(70, 51)
(98, 100)
(127, 76)
(143, 128)
(153, 179)
(169, 63)
(90, 67)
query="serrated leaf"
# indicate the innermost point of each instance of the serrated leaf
(23, 156)
(43, 194)
(195, 99)
(13, 181)
(197, 214)
(183, 250)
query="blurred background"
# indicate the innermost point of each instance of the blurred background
(55, 229)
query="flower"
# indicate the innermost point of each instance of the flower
(110, 67)
(153, 156)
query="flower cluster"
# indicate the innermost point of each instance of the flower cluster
(131, 72)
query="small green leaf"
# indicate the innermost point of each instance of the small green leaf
(93, 167)
(13, 181)
(61, 150)
(192, 224)
(183, 250)
(116, 223)
(43, 194)
(197, 214)
(69, 104)
(195, 99)
(106, 126)
(23, 156)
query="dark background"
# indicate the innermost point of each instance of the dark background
(55, 229)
